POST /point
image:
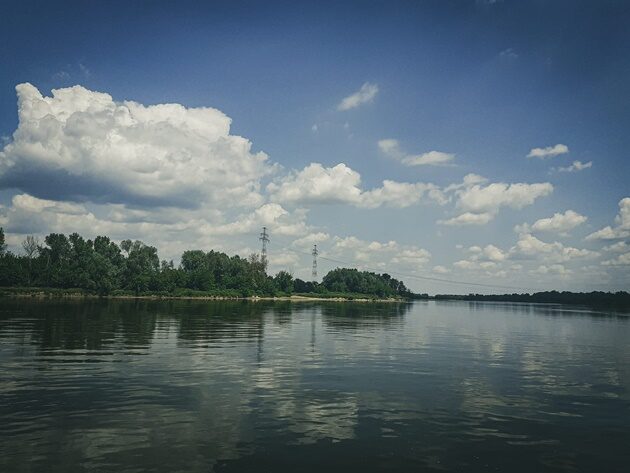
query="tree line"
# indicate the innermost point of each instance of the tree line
(620, 299)
(103, 267)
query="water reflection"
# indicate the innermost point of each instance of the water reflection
(144, 385)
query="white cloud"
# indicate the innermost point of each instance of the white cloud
(341, 184)
(560, 223)
(317, 184)
(307, 242)
(548, 152)
(554, 269)
(86, 146)
(493, 253)
(401, 194)
(468, 218)
(493, 196)
(377, 255)
(480, 204)
(391, 148)
(508, 54)
(489, 253)
(621, 260)
(365, 94)
(619, 247)
(528, 256)
(465, 264)
(576, 166)
(488, 260)
(412, 257)
(430, 158)
(530, 246)
(273, 216)
(441, 269)
(608, 233)
(171, 230)
(468, 181)
(621, 230)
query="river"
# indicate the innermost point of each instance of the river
(198, 386)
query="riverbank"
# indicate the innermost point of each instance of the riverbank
(55, 293)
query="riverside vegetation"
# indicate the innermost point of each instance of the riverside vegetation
(72, 264)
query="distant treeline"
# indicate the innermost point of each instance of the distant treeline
(619, 299)
(100, 266)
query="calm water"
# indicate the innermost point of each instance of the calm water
(135, 386)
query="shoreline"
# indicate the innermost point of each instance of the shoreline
(292, 298)
(41, 294)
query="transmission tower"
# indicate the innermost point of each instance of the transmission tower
(264, 237)
(314, 253)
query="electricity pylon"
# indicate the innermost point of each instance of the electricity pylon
(314, 253)
(264, 237)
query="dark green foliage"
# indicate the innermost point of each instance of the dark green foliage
(284, 282)
(305, 287)
(3, 245)
(71, 263)
(363, 282)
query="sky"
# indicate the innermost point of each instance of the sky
(462, 146)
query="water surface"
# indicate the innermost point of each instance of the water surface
(138, 386)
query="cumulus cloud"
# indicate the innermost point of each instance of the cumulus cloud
(560, 223)
(341, 184)
(576, 166)
(487, 253)
(493, 196)
(365, 94)
(171, 230)
(529, 254)
(402, 194)
(468, 218)
(619, 247)
(28, 214)
(529, 246)
(493, 253)
(378, 255)
(554, 269)
(431, 158)
(488, 260)
(391, 148)
(316, 183)
(271, 215)
(82, 145)
(480, 204)
(468, 181)
(548, 152)
(621, 260)
(307, 242)
(622, 227)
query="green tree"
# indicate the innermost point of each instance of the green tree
(141, 266)
(196, 266)
(3, 245)
(284, 282)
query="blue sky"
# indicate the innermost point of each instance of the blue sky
(479, 83)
